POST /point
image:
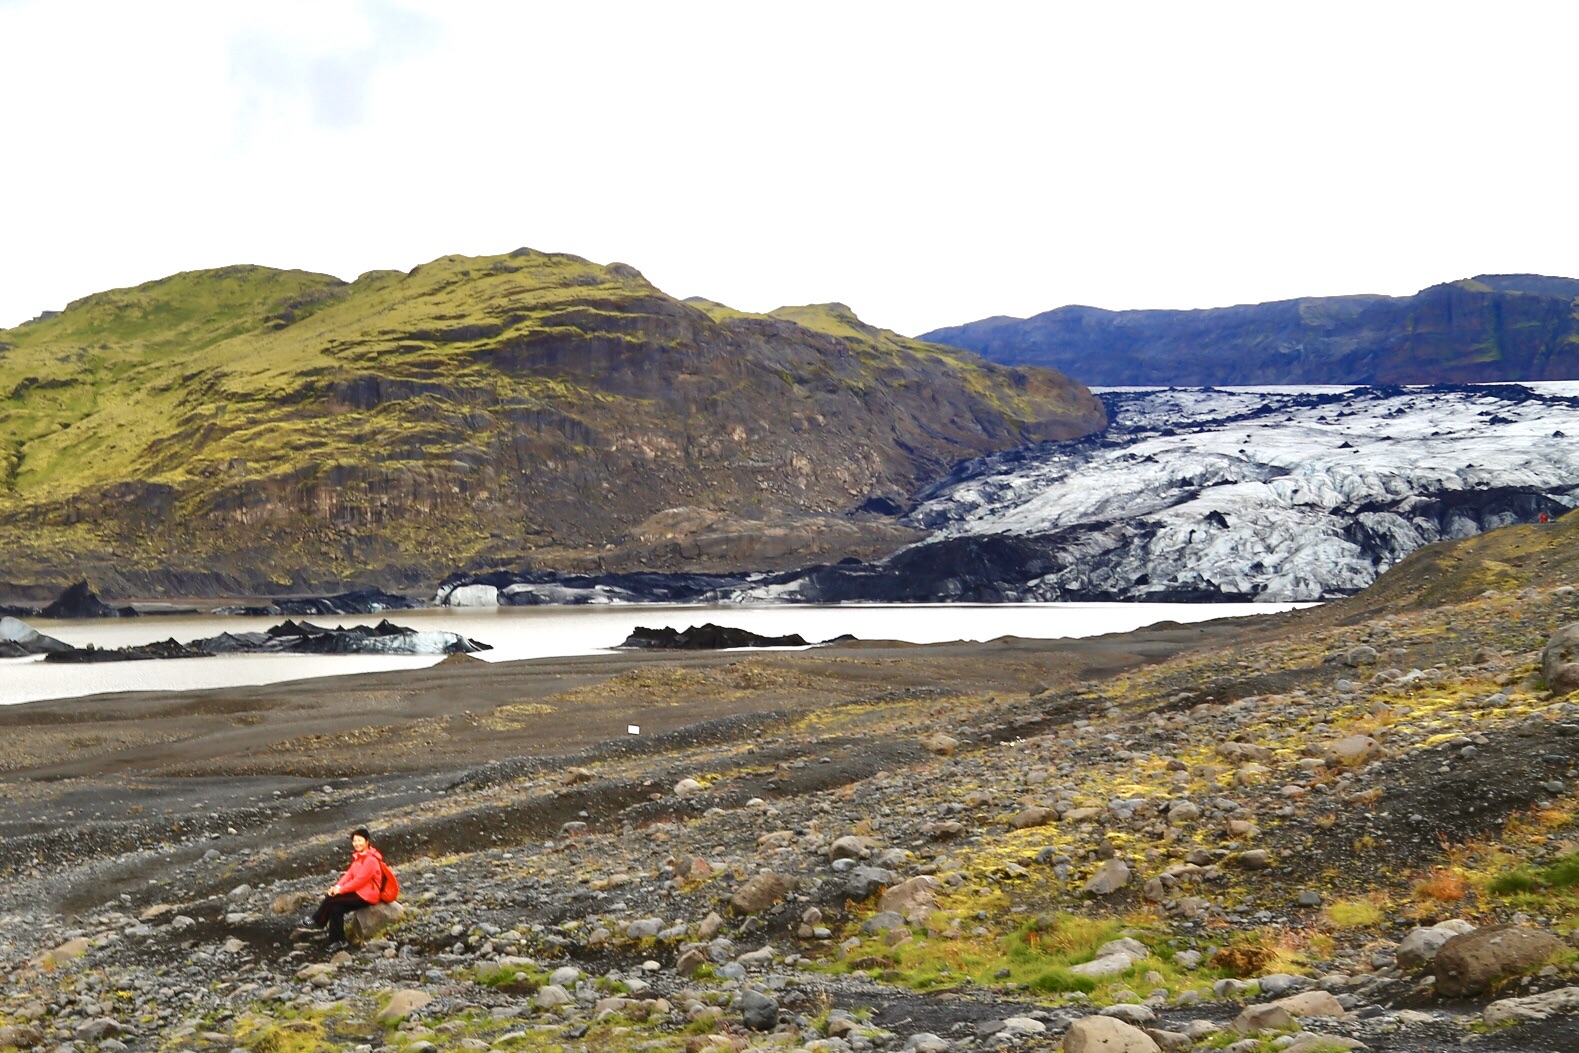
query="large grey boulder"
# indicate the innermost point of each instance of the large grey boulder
(1111, 876)
(367, 923)
(759, 1012)
(1560, 661)
(1103, 1034)
(1472, 963)
(760, 893)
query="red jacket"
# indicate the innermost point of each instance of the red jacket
(365, 875)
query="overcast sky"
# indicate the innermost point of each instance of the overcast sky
(927, 164)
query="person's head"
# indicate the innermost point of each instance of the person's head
(360, 839)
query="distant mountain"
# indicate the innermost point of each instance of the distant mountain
(1488, 328)
(257, 430)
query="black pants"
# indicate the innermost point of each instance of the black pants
(332, 912)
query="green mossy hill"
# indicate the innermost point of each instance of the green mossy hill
(1488, 328)
(1509, 559)
(249, 428)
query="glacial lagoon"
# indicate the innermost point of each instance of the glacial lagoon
(518, 633)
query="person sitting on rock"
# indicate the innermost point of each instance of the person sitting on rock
(361, 884)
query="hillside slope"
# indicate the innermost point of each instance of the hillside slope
(1488, 328)
(252, 429)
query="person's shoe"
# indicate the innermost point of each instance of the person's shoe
(336, 945)
(308, 922)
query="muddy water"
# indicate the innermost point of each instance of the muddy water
(545, 632)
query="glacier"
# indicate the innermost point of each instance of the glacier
(1276, 494)
(1272, 494)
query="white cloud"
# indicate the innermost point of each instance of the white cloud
(926, 163)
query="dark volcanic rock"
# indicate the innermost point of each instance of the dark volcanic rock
(142, 653)
(707, 637)
(290, 637)
(535, 588)
(80, 601)
(1489, 328)
(358, 601)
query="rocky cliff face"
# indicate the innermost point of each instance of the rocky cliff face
(1488, 328)
(247, 429)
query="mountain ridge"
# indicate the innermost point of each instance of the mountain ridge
(1488, 328)
(248, 429)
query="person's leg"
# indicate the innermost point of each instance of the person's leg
(320, 917)
(338, 907)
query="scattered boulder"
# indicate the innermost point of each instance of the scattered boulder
(1472, 963)
(1531, 1007)
(64, 953)
(863, 882)
(402, 1004)
(1255, 859)
(881, 922)
(850, 846)
(940, 744)
(551, 996)
(912, 900)
(1138, 1015)
(20, 1036)
(1104, 1034)
(1104, 965)
(1270, 1017)
(1560, 661)
(1111, 876)
(366, 924)
(1244, 752)
(1312, 1004)
(291, 902)
(759, 1011)
(1125, 945)
(1033, 816)
(1312, 1042)
(760, 893)
(1351, 750)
